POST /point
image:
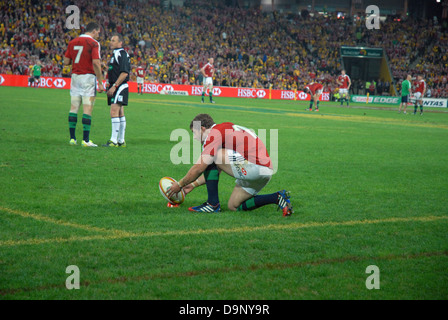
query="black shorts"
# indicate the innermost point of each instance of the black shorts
(404, 99)
(121, 95)
(36, 77)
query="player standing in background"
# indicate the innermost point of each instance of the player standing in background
(420, 91)
(208, 72)
(31, 82)
(118, 91)
(315, 90)
(238, 152)
(344, 83)
(140, 79)
(37, 71)
(83, 53)
(405, 92)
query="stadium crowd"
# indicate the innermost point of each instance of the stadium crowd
(251, 48)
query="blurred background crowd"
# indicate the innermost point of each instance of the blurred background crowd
(251, 48)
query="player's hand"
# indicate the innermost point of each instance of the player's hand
(111, 91)
(188, 188)
(174, 189)
(100, 88)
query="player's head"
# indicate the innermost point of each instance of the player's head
(306, 90)
(342, 71)
(116, 41)
(409, 77)
(93, 29)
(420, 77)
(211, 60)
(199, 124)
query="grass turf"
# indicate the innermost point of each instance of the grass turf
(368, 187)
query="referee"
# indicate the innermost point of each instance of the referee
(118, 90)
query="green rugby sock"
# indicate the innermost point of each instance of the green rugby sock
(211, 175)
(86, 124)
(258, 201)
(72, 120)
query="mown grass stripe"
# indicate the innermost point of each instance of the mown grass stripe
(291, 113)
(116, 234)
(43, 218)
(237, 268)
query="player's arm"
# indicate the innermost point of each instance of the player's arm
(117, 83)
(67, 61)
(99, 73)
(193, 174)
(198, 182)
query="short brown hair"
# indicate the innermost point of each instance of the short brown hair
(92, 26)
(205, 119)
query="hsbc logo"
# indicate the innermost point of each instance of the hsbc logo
(261, 94)
(302, 95)
(59, 83)
(247, 93)
(196, 91)
(52, 82)
(1, 80)
(287, 95)
(168, 88)
(151, 88)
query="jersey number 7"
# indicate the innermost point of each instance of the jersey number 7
(78, 55)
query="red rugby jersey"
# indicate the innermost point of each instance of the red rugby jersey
(242, 140)
(82, 50)
(140, 72)
(209, 70)
(345, 79)
(420, 86)
(314, 87)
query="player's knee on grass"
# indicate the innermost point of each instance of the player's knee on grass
(232, 206)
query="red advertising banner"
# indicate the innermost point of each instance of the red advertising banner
(192, 90)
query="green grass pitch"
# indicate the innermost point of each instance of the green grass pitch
(369, 187)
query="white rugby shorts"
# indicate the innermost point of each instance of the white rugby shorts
(208, 81)
(139, 80)
(83, 85)
(417, 95)
(250, 176)
(343, 91)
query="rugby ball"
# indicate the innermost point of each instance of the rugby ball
(164, 186)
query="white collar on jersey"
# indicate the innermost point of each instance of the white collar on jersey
(207, 135)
